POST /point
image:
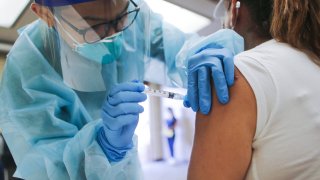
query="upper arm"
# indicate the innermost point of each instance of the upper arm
(222, 145)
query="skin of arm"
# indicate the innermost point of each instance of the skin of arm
(223, 139)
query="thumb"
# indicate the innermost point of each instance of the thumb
(186, 102)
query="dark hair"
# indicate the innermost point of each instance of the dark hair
(297, 22)
(261, 12)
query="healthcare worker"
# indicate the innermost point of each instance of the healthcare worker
(69, 106)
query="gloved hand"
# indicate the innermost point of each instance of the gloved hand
(120, 115)
(215, 61)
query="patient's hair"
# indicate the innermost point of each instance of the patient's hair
(261, 12)
(297, 22)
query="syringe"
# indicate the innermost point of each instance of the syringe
(162, 93)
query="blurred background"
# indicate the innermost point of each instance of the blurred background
(154, 136)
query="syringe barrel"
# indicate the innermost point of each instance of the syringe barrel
(161, 93)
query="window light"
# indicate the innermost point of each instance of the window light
(187, 21)
(10, 11)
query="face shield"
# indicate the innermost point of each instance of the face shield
(221, 12)
(100, 41)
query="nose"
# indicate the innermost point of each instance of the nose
(112, 31)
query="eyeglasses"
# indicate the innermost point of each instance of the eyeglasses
(99, 31)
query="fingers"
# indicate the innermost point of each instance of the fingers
(199, 88)
(228, 67)
(204, 90)
(220, 84)
(128, 130)
(210, 46)
(121, 106)
(186, 102)
(218, 53)
(128, 86)
(115, 123)
(126, 97)
(196, 61)
(213, 46)
(193, 90)
(121, 135)
(209, 57)
(122, 109)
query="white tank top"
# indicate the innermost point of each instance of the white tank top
(286, 84)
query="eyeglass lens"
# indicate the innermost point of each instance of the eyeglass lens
(98, 32)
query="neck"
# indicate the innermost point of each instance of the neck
(253, 39)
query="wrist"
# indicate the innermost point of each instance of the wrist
(114, 154)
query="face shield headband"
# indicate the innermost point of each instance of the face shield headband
(56, 3)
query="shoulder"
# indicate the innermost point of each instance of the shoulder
(270, 53)
(257, 65)
(225, 134)
(268, 65)
(261, 68)
(29, 49)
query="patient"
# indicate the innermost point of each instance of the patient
(271, 127)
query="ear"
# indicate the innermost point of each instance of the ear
(44, 13)
(234, 13)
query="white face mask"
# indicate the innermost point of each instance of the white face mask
(82, 64)
(79, 73)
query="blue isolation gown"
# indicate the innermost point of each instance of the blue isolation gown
(50, 128)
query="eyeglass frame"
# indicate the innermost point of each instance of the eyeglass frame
(112, 23)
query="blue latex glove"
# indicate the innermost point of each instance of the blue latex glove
(120, 115)
(215, 61)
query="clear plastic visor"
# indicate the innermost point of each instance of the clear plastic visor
(93, 21)
(96, 38)
(220, 9)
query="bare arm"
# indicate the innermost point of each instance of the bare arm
(222, 145)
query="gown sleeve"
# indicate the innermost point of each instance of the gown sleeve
(49, 132)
